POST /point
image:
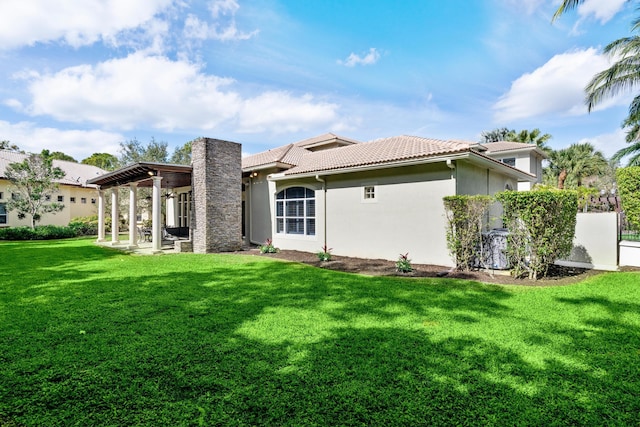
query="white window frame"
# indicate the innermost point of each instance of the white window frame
(369, 192)
(306, 207)
(504, 160)
(4, 217)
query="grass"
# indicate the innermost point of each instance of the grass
(91, 336)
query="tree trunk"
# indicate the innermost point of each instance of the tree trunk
(562, 178)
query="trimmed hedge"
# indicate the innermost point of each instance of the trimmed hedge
(42, 232)
(628, 182)
(541, 227)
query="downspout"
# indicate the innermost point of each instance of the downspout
(324, 204)
(452, 166)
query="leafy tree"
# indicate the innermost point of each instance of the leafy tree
(59, 155)
(35, 182)
(629, 186)
(6, 145)
(495, 135)
(133, 151)
(104, 161)
(182, 155)
(570, 166)
(534, 136)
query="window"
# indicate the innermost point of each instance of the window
(369, 192)
(83, 200)
(1, 195)
(61, 199)
(93, 201)
(3, 213)
(71, 199)
(511, 161)
(47, 198)
(296, 211)
(15, 196)
(184, 209)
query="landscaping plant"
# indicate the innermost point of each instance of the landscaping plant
(325, 253)
(541, 226)
(268, 247)
(628, 181)
(465, 217)
(403, 265)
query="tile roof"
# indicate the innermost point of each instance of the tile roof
(494, 147)
(327, 137)
(287, 154)
(380, 151)
(75, 173)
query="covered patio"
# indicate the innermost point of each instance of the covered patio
(138, 175)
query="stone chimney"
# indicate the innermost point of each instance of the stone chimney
(216, 184)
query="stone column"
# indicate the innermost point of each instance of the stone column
(133, 215)
(101, 216)
(115, 221)
(156, 210)
(217, 195)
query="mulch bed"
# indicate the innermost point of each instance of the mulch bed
(557, 275)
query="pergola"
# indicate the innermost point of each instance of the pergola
(145, 175)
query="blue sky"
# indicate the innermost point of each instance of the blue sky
(80, 77)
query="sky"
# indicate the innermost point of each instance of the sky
(82, 76)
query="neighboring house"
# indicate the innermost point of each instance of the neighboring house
(373, 200)
(79, 199)
(526, 157)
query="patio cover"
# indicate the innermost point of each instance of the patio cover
(172, 175)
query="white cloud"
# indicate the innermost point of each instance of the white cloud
(78, 23)
(154, 91)
(556, 87)
(222, 28)
(369, 58)
(608, 143)
(79, 144)
(280, 112)
(601, 10)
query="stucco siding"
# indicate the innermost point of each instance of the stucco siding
(407, 214)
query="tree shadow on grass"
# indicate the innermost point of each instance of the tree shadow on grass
(268, 343)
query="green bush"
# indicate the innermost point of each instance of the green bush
(403, 265)
(628, 182)
(88, 225)
(465, 216)
(541, 226)
(268, 247)
(42, 232)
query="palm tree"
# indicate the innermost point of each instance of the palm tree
(622, 76)
(532, 137)
(570, 166)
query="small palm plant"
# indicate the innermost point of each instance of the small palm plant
(403, 265)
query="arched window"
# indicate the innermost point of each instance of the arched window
(296, 211)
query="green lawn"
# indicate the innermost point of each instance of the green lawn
(90, 336)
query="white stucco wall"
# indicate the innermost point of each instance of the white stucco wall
(258, 210)
(595, 244)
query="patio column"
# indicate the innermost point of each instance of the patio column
(133, 215)
(156, 229)
(115, 222)
(101, 216)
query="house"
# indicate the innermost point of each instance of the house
(78, 197)
(372, 199)
(526, 157)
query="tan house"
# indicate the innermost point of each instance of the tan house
(375, 199)
(372, 199)
(526, 157)
(78, 197)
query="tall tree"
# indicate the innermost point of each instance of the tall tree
(104, 161)
(534, 136)
(133, 151)
(35, 182)
(622, 76)
(495, 135)
(570, 166)
(6, 145)
(59, 155)
(182, 155)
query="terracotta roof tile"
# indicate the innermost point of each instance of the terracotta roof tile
(379, 151)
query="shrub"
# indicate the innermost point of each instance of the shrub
(403, 265)
(541, 226)
(465, 216)
(268, 247)
(325, 253)
(85, 226)
(628, 182)
(43, 232)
